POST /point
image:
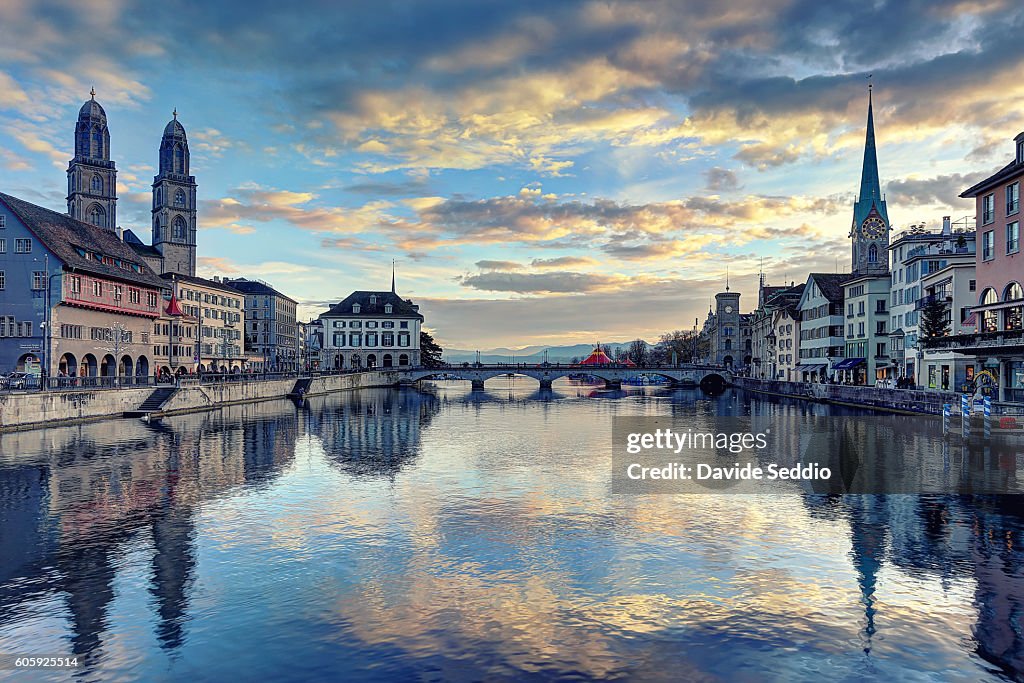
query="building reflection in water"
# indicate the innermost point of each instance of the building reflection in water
(93, 492)
(373, 432)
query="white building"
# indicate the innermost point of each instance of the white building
(955, 286)
(822, 336)
(914, 254)
(371, 330)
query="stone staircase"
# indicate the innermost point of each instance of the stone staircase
(153, 403)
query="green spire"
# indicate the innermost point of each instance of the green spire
(870, 188)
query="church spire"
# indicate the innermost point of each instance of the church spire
(870, 187)
(392, 276)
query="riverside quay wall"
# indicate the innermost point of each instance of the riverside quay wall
(889, 400)
(29, 410)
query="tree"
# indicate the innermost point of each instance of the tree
(118, 338)
(679, 346)
(934, 320)
(638, 352)
(620, 355)
(431, 354)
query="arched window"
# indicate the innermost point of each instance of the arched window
(179, 159)
(97, 216)
(179, 228)
(179, 198)
(1013, 292)
(873, 254)
(97, 142)
(158, 230)
(97, 184)
(989, 296)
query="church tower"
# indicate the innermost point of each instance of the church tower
(174, 203)
(870, 231)
(92, 178)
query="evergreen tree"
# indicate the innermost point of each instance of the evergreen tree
(934, 323)
(431, 355)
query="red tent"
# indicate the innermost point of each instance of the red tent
(597, 357)
(628, 363)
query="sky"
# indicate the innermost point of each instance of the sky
(541, 172)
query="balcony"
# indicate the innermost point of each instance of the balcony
(920, 304)
(978, 343)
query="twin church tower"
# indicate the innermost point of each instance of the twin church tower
(92, 191)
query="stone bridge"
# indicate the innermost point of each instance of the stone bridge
(710, 379)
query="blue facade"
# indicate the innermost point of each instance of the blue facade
(22, 305)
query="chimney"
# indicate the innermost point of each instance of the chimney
(120, 233)
(947, 226)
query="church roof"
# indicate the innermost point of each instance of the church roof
(870, 196)
(400, 308)
(92, 110)
(140, 247)
(174, 129)
(77, 244)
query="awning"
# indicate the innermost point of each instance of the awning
(848, 364)
(812, 365)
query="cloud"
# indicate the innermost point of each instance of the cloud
(941, 190)
(721, 180)
(498, 265)
(540, 283)
(564, 262)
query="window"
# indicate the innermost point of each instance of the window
(972, 285)
(1013, 292)
(860, 329)
(1013, 237)
(988, 245)
(3, 221)
(387, 339)
(860, 308)
(179, 199)
(97, 184)
(387, 308)
(873, 254)
(179, 228)
(403, 340)
(3, 280)
(3, 246)
(1012, 198)
(117, 292)
(355, 308)
(405, 325)
(97, 288)
(97, 216)
(354, 339)
(151, 299)
(373, 299)
(134, 296)
(23, 246)
(372, 324)
(988, 209)
(38, 279)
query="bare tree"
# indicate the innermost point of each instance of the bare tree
(638, 352)
(117, 338)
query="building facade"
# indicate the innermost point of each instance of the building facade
(75, 301)
(218, 312)
(822, 326)
(955, 287)
(271, 332)
(92, 178)
(371, 329)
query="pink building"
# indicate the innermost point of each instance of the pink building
(998, 342)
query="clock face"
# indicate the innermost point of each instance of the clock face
(873, 228)
(728, 309)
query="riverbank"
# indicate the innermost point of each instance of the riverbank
(32, 410)
(900, 401)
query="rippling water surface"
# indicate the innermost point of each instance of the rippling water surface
(455, 535)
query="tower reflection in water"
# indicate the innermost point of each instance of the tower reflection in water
(91, 493)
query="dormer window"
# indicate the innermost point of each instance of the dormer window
(355, 308)
(1020, 150)
(373, 299)
(387, 308)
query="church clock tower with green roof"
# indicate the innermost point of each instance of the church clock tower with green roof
(869, 233)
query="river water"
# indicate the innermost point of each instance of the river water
(446, 534)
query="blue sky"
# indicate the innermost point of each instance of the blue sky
(542, 172)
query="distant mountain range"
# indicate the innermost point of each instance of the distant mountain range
(531, 354)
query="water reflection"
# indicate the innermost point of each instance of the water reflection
(472, 535)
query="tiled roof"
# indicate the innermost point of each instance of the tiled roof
(831, 284)
(73, 241)
(400, 307)
(256, 287)
(202, 282)
(140, 247)
(1014, 168)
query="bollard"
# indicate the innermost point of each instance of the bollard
(947, 411)
(965, 415)
(987, 416)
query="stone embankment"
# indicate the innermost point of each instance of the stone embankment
(29, 410)
(887, 400)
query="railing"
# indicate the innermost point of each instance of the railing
(36, 383)
(976, 340)
(931, 298)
